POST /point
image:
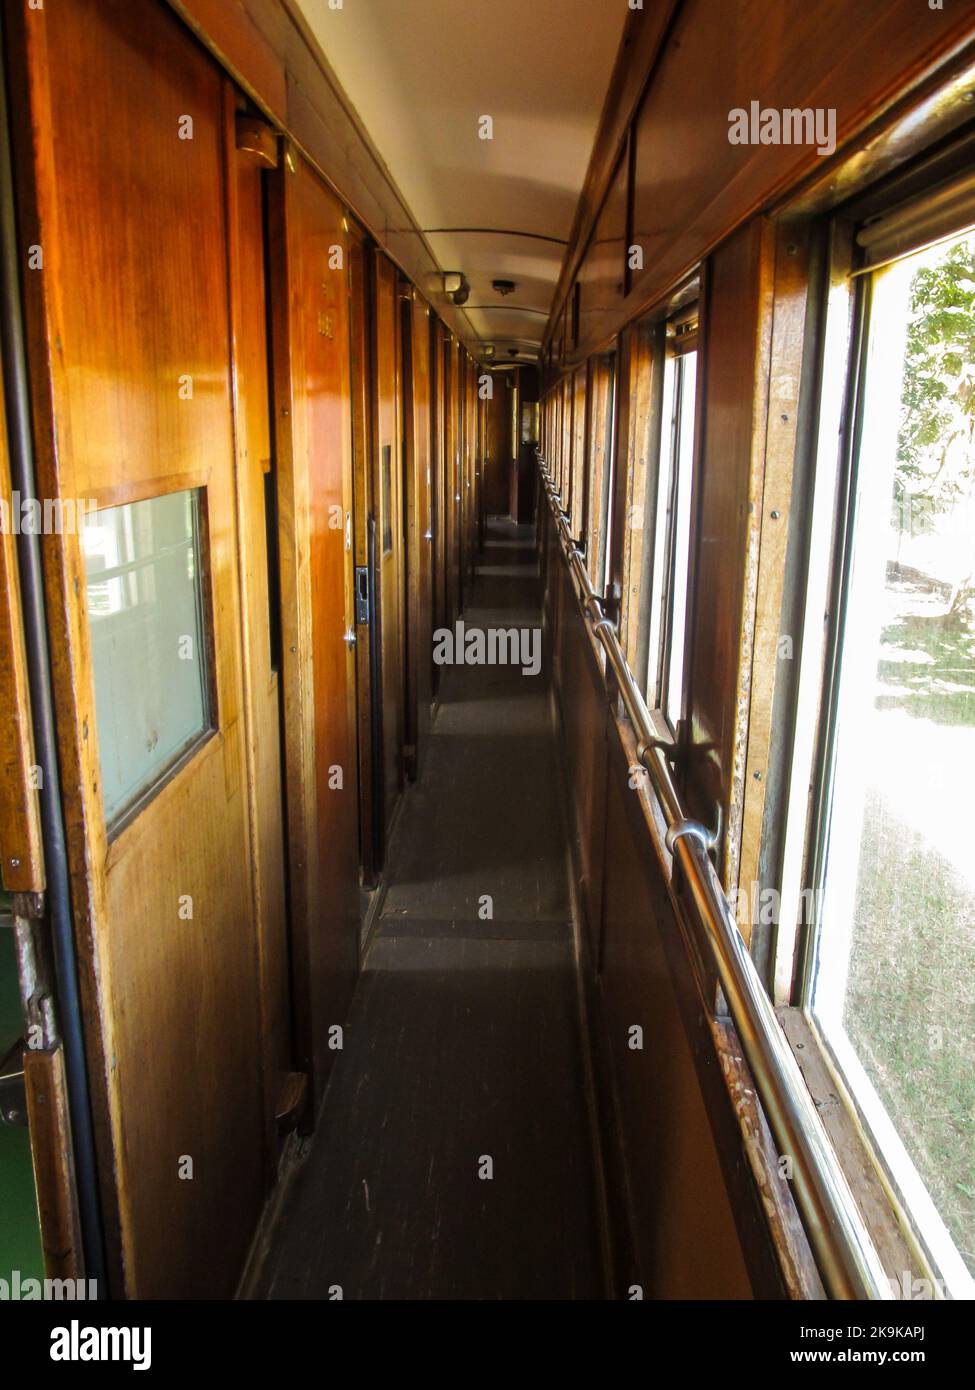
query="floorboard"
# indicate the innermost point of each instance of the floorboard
(464, 1041)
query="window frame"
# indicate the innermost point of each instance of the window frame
(671, 340)
(130, 810)
(830, 533)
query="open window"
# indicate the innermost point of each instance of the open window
(879, 873)
(668, 512)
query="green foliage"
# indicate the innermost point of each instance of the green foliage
(935, 459)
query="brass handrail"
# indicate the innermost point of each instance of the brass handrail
(848, 1263)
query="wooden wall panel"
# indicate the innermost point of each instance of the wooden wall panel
(696, 1203)
(497, 464)
(312, 372)
(21, 850)
(692, 187)
(388, 492)
(252, 429)
(602, 275)
(452, 519)
(438, 373)
(419, 519)
(584, 717)
(134, 296)
(685, 1235)
(268, 46)
(732, 408)
(364, 508)
(582, 459)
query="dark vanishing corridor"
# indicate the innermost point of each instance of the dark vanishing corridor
(464, 1040)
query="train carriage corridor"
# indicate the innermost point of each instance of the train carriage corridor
(487, 655)
(455, 1156)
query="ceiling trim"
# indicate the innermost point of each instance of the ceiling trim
(268, 50)
(497, 231)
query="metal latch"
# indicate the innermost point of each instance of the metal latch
(362, 593)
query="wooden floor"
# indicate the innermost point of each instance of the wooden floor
(464, 1041)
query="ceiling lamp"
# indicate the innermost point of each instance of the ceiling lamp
(455, 286)
(504, 287)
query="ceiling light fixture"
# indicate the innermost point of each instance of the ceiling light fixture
(455, 286)
(504, 287)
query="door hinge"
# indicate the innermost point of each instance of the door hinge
(290, 1103)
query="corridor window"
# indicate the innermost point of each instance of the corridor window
(667, 599)
(577, 488)
(148, 642)
(890, 970)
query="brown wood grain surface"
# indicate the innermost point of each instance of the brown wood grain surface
(21, 850)
(133, 297)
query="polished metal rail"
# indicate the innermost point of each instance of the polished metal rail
(845, 1255)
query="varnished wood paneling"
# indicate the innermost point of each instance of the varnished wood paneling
(641, 388)
(726, 504)
(584, 720)
(692, 187)
(695, 1194)
(21, 852)
(440, 490)
(452, 477)
(269, 47)
(252, 432)
(580, 457)
(364, 507)
(686, 1241)
(312, 373)
(133, 296)
(497, 464)
(419, 521)
(602, 275)
(763, 625)
(388, 492)
(49, 1120)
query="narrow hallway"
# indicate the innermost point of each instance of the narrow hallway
(463, 1053)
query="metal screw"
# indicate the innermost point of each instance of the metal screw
(775, 515)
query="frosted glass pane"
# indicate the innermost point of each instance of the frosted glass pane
(145, 608)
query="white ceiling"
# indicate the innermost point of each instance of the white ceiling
(420, 74)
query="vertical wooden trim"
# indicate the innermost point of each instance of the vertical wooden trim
(284, 289)
(50, 1140)
(64, 579)
(360, 339)
(21, 849)
(788, 329)
(761, 376)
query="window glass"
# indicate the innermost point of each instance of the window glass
(145, 609)
(892, 981)
(672, 538)
(609, 465)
